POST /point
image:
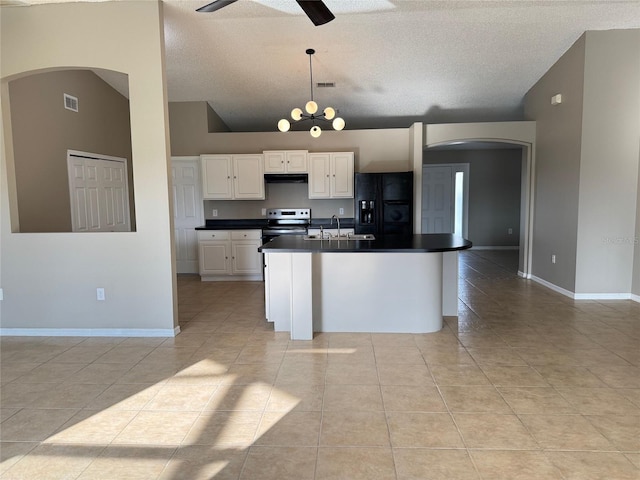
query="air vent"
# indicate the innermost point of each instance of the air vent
(325, 84)
(70, 102)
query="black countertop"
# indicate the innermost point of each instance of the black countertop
(259, 223)
(244, 224)
(432, 242)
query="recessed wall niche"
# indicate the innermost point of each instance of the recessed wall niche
(45, 130)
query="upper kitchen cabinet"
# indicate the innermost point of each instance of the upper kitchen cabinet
(233, 177)
(285, 161)
(331, 175)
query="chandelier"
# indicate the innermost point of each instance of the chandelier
(311, 111)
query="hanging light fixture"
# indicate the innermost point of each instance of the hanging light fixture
(311, 111)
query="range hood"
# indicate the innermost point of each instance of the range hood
(286, 178)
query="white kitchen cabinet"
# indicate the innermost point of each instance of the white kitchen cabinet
(331, 175)
(245, 258)
(230, 254)
(233, 177)
(285, 161)
(214, 247)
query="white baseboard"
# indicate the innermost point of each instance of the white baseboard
(585, 296)
(602, 296)
(231, 278)
(551, 286)
(523, 275)
(89, 332)
(484, 247)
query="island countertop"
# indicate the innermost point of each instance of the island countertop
(428, 242)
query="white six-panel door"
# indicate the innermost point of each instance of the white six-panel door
(437, 195)
(187, 211)
(98, 192)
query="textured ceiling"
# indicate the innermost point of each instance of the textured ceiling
(394, 62)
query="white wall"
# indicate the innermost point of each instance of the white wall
(609, 162)
(50, 280)
(379, 150)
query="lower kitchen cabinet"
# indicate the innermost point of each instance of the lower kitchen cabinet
(230, 255)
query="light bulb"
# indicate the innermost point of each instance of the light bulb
(315, 131)
(338, 123)
(296, 114)
(311, 107)
(284, 125)
(329, 113)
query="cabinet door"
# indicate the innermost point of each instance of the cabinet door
(319, 171)
(214, 258)
(246, 260)
(248, 176)
(296, 161)
(342, 175)
(274, 162)
(216, 176)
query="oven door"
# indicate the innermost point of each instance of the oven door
(269, 234)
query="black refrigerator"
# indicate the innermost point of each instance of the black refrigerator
(384, 203)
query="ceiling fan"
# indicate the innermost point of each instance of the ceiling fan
(316, 10)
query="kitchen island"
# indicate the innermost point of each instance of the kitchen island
(393, 284)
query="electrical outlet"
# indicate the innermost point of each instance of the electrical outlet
(510, 231)
(341, 211)
(553, 259)
(1, 295)
(100, 294)
(214, 212)
(264, 212)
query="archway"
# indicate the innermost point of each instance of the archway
(516, 133)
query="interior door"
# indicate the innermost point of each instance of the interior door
(187, 211)
(116, 198)
(437, 195)
(99, 193)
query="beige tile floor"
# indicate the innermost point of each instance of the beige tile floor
(526, 384)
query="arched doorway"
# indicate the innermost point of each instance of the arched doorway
(515, 133)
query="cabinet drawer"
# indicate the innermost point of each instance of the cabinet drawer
(213, 234)
(246, 234)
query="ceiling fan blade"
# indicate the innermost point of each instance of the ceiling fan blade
(317, 11)
(216, 5)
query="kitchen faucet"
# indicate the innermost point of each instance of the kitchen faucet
(338, 221)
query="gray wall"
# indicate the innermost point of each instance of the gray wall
(43, 130)
(380, 150)
(557, 169)
(609, 162)
(494, 192)
(587, 165)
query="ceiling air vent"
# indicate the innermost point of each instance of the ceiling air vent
(325, 84)
(70, 102)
